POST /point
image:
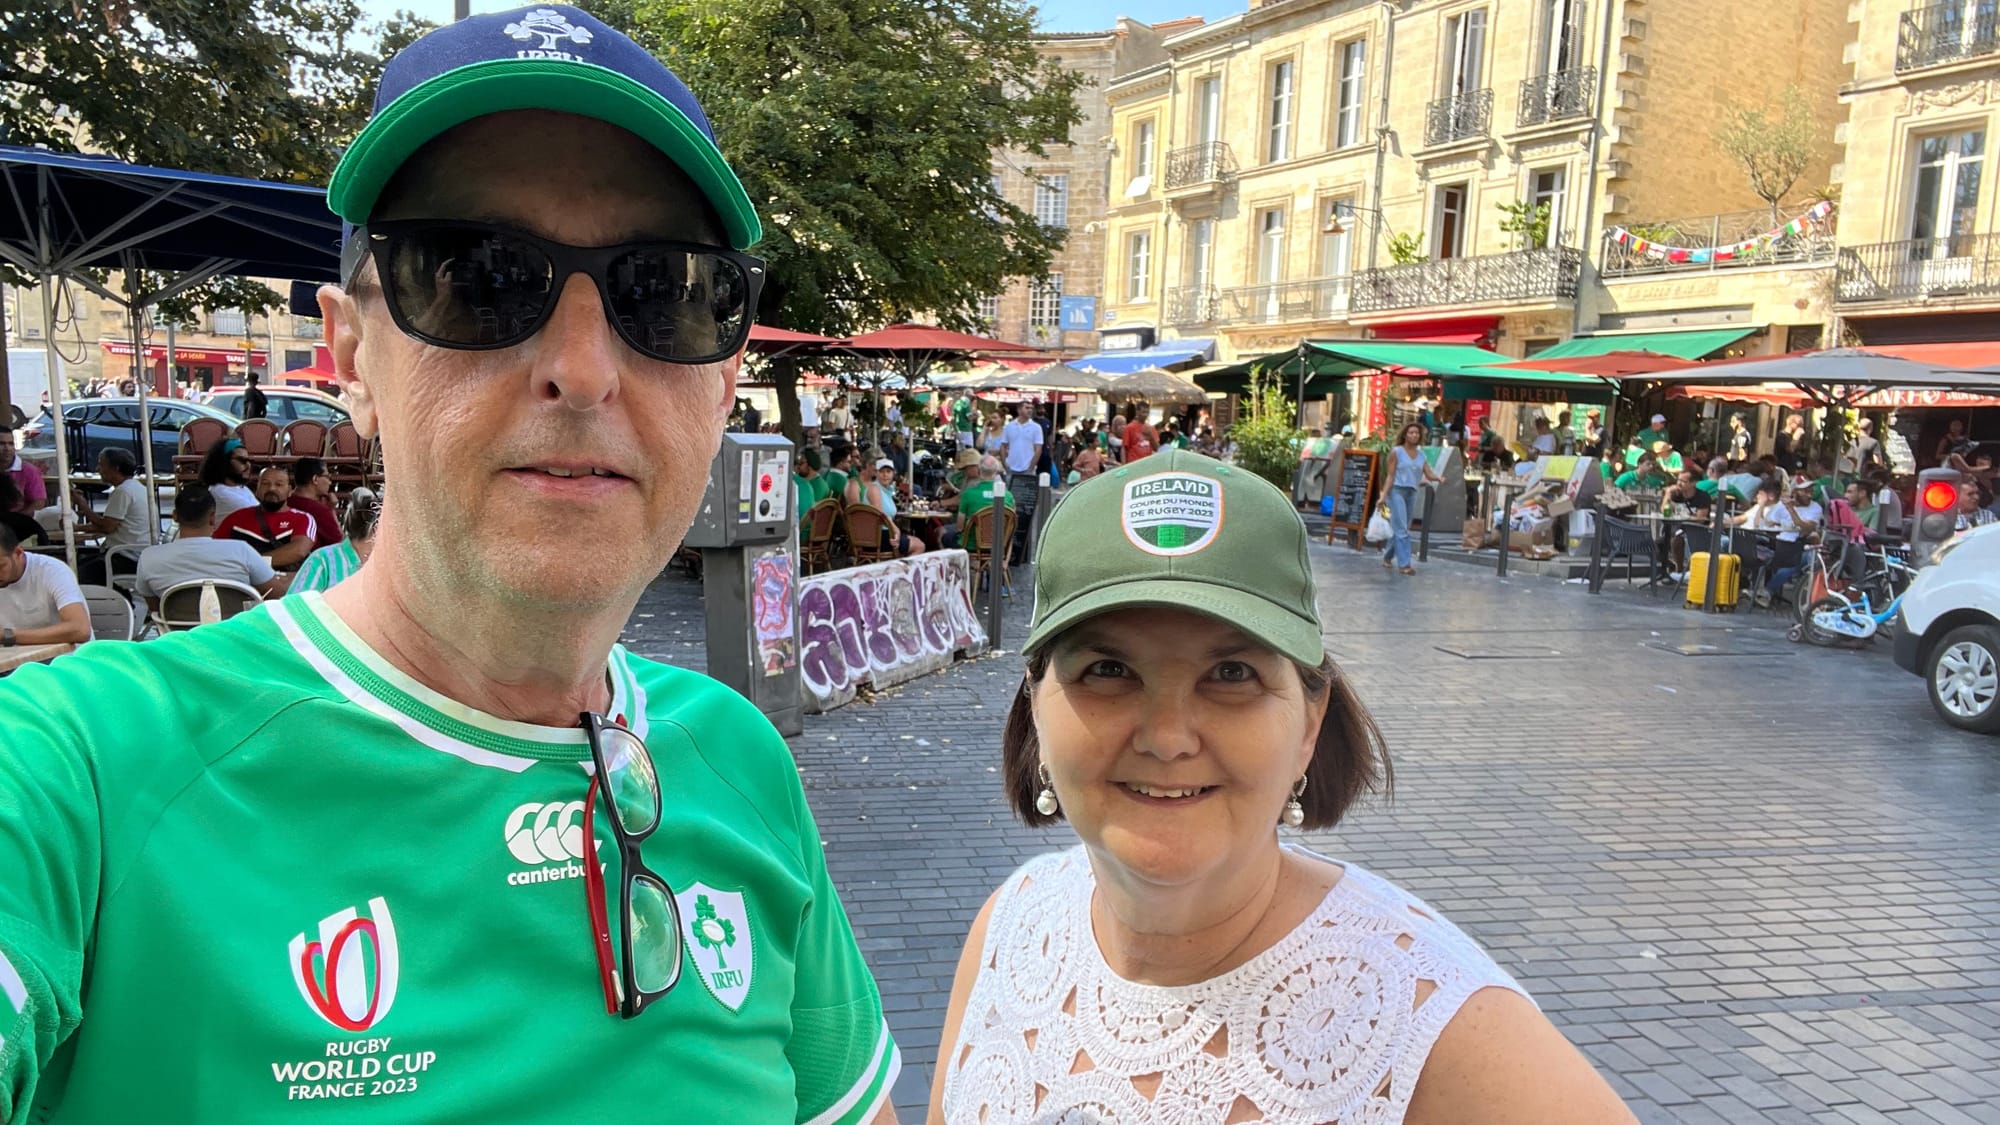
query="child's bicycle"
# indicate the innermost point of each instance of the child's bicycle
(1846, 617)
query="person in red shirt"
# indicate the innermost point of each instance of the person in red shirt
(312, 493)
(32, 492)
(278, 532)
(1140, 437)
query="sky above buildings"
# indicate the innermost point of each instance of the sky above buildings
(1057, 15)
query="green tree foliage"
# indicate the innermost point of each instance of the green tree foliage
(1774, 143)
(1405, 249)
(1527, 222)
(864, 131)
(1267, 440)
(265, 88)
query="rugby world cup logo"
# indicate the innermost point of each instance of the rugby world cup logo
(348, 976)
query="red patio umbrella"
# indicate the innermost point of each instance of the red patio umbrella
(914, 348)
(1610, 365)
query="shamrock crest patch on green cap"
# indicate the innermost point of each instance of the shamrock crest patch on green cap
(1172, 513)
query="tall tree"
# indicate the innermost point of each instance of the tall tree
(864, 131)
(1773, 143)
(265, 88)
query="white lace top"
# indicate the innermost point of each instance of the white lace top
(1325, 1026)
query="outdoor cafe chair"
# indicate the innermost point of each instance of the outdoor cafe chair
(111, 616)
(871, 535)
(1627, 540)
(260, 439)
(816, 549)
(125, 581)
(198, 436)
(974, 532)
(180, 605)
(304, 438)
(346, 456)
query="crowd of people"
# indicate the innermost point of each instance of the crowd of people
(271, 529)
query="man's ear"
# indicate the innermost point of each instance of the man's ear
(725, 397)
(341, 315)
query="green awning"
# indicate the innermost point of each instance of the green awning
(1327, 364)
(1682, 343)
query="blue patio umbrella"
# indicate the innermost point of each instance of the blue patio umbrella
(62, 214)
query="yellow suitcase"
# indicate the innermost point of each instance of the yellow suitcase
(1727, 580)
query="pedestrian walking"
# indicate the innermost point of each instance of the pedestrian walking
(432, 843)
(1408, 471)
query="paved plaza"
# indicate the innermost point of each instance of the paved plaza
(1756, 883)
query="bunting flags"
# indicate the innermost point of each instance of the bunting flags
(1815, 217)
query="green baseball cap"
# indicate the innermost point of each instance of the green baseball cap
(550, 56)
(1184, 531)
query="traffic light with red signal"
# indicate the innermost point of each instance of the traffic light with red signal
(1936, 518)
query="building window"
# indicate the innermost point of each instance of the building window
(1336, 238)
(1045, 304)
(1201, 252)
(1451, 221)
(1052, 200)
(228, 322)
(1562, 35)
(296, 358)
(1465, 52)
(1279, 146)
(1144, 141)
(989, 312)
(1551, 186)
(1353, 88)
(1947, 197)
(1138, 265)
(1208, 111)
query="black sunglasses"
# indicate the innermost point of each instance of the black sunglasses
(649, 920)
(481, 286)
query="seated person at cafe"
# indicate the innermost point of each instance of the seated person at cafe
(1687, 492)
(976, 500)
(1888, 503)
(312, 493)
(1544, 444)
(40, 603)
(880, 493)
(31, 492)
(844, 475)
(225, 472)
(1795, 521)
(197, 556)
(1665, 457)
(1646, 478)
(1867, 508)
(278, 532)
(809, 483)
(964, 470)
(25, 527)
(123, 521)
(1827, 482)
(1972, 506)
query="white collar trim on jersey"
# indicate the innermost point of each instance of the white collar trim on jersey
(627, 697)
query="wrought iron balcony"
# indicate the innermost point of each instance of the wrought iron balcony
(1285, 302)
(1814, 244)
(1546, 273)
(1460, 116)
(1196, 165)
(1191, 306)
(1554, 97)
(1947, 32)
(1961, 265)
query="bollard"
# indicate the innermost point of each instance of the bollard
(1424, 535)
(1595, 581)
(1506, 525)
(1715, 557)
(996, 563)
(1044, 500)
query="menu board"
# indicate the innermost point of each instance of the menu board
(1354, 486)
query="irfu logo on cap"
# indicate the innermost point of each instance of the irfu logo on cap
(1172, 513)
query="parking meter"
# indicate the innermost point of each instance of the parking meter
(1936, 517)
(747, 531)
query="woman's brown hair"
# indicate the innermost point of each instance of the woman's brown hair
(1348, 759)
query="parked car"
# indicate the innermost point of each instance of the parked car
(1949, 632)
(94, 424)
(283, 405)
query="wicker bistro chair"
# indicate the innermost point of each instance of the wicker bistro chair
(197, 438)
(870, 534)
(180, 606)
(260, 440)
(347, 457)
(974, 543)
(816, 549)
(304, 438)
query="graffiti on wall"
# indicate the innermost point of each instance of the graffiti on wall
(883, 624)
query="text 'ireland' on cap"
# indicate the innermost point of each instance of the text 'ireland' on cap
(1179, 530)
(550, 57)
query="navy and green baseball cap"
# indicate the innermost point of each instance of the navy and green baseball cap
(551, 57)
(1183, 531)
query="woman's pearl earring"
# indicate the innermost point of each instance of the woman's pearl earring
(1045, 801)
(1295, 813)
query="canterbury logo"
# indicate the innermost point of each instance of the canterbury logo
(540, 833)
(348, 976)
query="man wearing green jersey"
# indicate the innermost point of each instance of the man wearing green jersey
(431, 846)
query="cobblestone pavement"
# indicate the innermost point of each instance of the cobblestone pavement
(1758, 884)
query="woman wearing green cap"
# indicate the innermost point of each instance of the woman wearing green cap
(1180, 964)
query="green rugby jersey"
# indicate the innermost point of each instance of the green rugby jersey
(325, 568)
(256, 874)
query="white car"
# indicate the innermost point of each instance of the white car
(1949, 632)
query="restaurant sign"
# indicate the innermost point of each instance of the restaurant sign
(883, 624)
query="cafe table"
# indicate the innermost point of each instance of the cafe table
(927, 523)
(18, 655)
